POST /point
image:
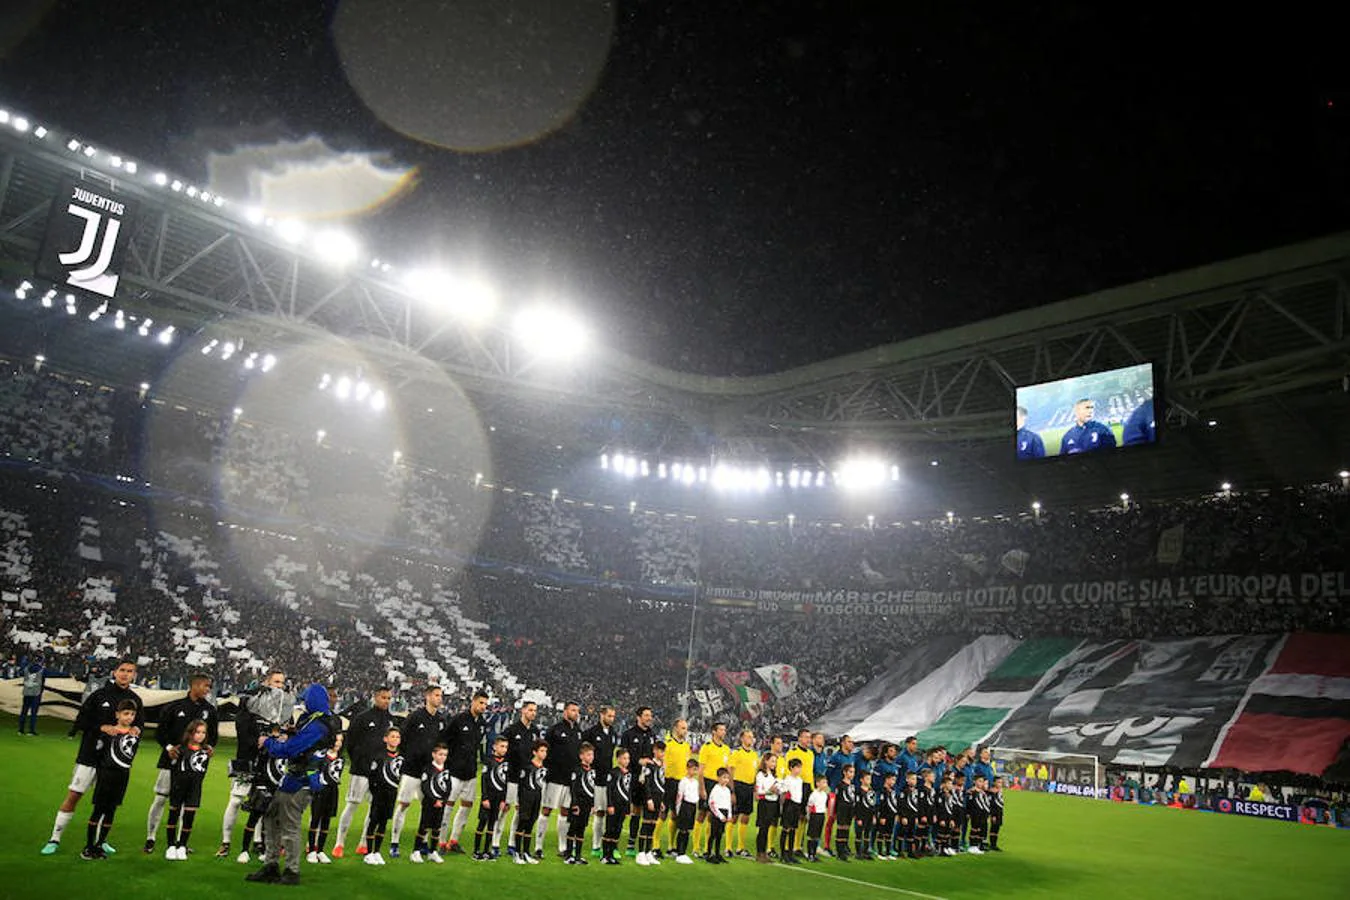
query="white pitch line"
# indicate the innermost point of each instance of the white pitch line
(871, 884)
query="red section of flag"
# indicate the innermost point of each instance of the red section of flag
(1314, 654)
(1262, 742)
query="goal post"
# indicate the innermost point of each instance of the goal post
(1072, 773)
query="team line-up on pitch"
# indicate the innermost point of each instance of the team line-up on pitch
(866, 803)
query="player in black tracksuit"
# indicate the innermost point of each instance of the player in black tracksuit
(995, 814)
(845, 808)
(977, 813)
(492, 798)
(651, 797)
(602, 737)
(618, 800)
(582, 790)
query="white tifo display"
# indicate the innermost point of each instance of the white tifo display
(1078, 774)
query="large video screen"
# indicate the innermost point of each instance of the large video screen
(1087, 413)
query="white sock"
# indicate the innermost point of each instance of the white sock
(345, 822)
(500, 827)
(155, 816)
(227, 823)
(562, 831)
(62, 820)
(400, 813)
(461, 819)
(447, 813)
(597, 830)
(540, 827)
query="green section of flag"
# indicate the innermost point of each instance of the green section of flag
(961, 726)
(1031, 659)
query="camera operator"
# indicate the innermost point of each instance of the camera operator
(316, 730)
(271, 704)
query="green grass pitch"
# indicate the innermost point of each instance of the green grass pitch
(1055, 847)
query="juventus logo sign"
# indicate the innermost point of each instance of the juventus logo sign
(87, 233)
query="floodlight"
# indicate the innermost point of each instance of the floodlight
(161, 179)
(253, 215)
(120, 320)
(325, 381)
(1124, 498)
(632, 506)
(40, 358)
(820, 478)
(115, 162)
(40, 131)
(268, 362)
(1036, 505)
(378, 401)
(362, 391)
(630, 467)
(166, 336)
(320, 435)
(206, 196)
(646, 470)
(20, 124)
(1226, 486)
(336, 247)
(689, 475)
(238, 412)
(131, 167)
(551, 332)
(703, 474)
(192, 191)
(1343, 474)
(661, 470)
(251, 360)
(72, 145)
(343, 388)
(466, 296)
(176, 186)
(228, 350)
(604, 461)
(89, 151)
(290, 230)
(211, 345)
(861, 474)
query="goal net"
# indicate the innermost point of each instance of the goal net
(1043, 770)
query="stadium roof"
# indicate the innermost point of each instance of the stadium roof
(1256, 344)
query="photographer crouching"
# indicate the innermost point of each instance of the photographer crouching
(316, 730)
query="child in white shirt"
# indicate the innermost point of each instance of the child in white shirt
(817, 808)
(791, 813)
(686, 807)
(719, 809)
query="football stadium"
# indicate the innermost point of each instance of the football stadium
(319, 554)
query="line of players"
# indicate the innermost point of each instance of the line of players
(917, 805)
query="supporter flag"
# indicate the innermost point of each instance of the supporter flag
(1153, 703)
(998, 695)
(780, 677)
(1015, 561)
(1295, 716)
(750, 699)
(1170, 544)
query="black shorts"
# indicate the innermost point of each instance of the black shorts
(744, 802)
(185, 792)
(672, 788)
(111, 787)
(767, 814)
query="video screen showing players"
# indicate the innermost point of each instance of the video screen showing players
(1086, 414)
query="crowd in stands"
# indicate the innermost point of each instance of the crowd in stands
(523, 591)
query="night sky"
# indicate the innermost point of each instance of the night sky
(757, 186)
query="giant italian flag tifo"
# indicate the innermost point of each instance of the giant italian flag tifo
(1254, 702)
